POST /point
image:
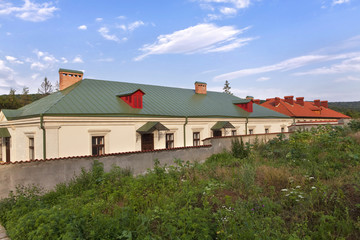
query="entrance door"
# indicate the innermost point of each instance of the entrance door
(147, 142)
(7, 146)
(217, 133)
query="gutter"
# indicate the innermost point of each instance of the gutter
(44, 135)
(246, 126)
(186, 122)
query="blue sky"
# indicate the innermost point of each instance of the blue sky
(264, 48)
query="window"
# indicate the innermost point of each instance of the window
(233, 132)
(31, 148)
(169, 140)
(282, 129)
(98, 145)
(251, 131)
(266, 130)
(196, 138)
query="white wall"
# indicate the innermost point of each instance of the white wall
(71, 136)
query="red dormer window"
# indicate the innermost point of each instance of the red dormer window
(246, 106)
(133, 98)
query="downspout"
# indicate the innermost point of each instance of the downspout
(44, 134)
(246, 126)
(186, 122)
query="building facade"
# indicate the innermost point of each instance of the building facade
(95, 117)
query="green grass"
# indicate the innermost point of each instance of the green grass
(307, 187)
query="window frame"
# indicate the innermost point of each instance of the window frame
(169, 143)
(31, 148)
(97, 145)
(196, 139)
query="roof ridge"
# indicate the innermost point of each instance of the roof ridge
(282, 100)
(63, 95)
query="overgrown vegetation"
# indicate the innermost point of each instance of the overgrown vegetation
(351, 109)
(306, 187)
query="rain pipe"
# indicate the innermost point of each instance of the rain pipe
(44, 135)
(186, 122)
(246, 126)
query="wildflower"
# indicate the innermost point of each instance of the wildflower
(311, 178)
(252, 209)
(313, 187)
(263, 206)
(284, 190)
(298, 186)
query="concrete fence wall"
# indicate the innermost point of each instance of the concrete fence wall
(47, 174)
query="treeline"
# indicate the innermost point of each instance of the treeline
(15, 101)
(351, 109)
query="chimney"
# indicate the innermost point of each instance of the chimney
(300, 101)
(69, 77)
(317, 102)
(257, 101)
(249, 97)
(200, 87)
(324, 104)
(277, 101)
(289, 99)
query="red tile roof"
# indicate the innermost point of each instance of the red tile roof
(309, 109)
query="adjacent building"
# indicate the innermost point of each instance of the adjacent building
(305, 114)
(94, 117)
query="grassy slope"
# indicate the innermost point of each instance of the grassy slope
(303, 188)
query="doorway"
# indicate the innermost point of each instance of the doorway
(147, 142)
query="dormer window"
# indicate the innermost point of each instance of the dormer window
(133, 98)
(245, 104)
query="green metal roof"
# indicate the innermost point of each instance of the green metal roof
(149, 127)
(70, 71)
(4, 132)
(98, 98)
(201, 82)
(222, 124)
(240, 101)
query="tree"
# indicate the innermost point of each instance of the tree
(227, 87)
(25, 98)
(13, 102)
(46, 87)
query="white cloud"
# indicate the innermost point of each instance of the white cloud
(12, 59)
(350, 64)
(99, 19)
(64, 60)
(77, 59)
(6, 74)
(121, 17)
(286, 65)
(262, 79)
(30, 11)
(236, 3)
(348, 79)
(132, 26)
(228, 11)
(38, 66)
(202, 38)
(44, 61)
(122, 26)
(82, 27)
(104, 31)
(338, 2)
(220, 8)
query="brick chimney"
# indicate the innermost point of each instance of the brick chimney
(69, 77)
(324, 104)
(317, 102)
(277, 101)
(200, 87)
(300, 101)
(289, 99)
(257, 101)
